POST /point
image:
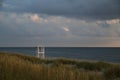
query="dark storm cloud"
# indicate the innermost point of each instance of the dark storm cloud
(83, 9)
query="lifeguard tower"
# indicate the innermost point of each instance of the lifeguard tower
(40, 52)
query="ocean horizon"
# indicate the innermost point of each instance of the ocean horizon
(107, 54)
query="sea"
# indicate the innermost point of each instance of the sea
(107, 54)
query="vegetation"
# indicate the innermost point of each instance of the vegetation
(21, 67)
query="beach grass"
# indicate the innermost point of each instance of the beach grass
(22, 67)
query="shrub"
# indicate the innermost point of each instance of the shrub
(85, 65)
(113, 73)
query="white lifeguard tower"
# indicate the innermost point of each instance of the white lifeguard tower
(40, 52)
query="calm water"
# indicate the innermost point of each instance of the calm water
(99, 54)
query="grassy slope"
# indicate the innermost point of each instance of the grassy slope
(21, 67)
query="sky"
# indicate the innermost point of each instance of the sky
(60, 23)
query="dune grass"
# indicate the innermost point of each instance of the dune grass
(21, 67)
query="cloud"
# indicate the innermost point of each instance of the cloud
(41, 25)
(65, 28)
(113, 21)
(108, 23)
(35, 18)
(81, 9)
(31, 25)
(1, 1)
(32, 29)
(60, 22)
